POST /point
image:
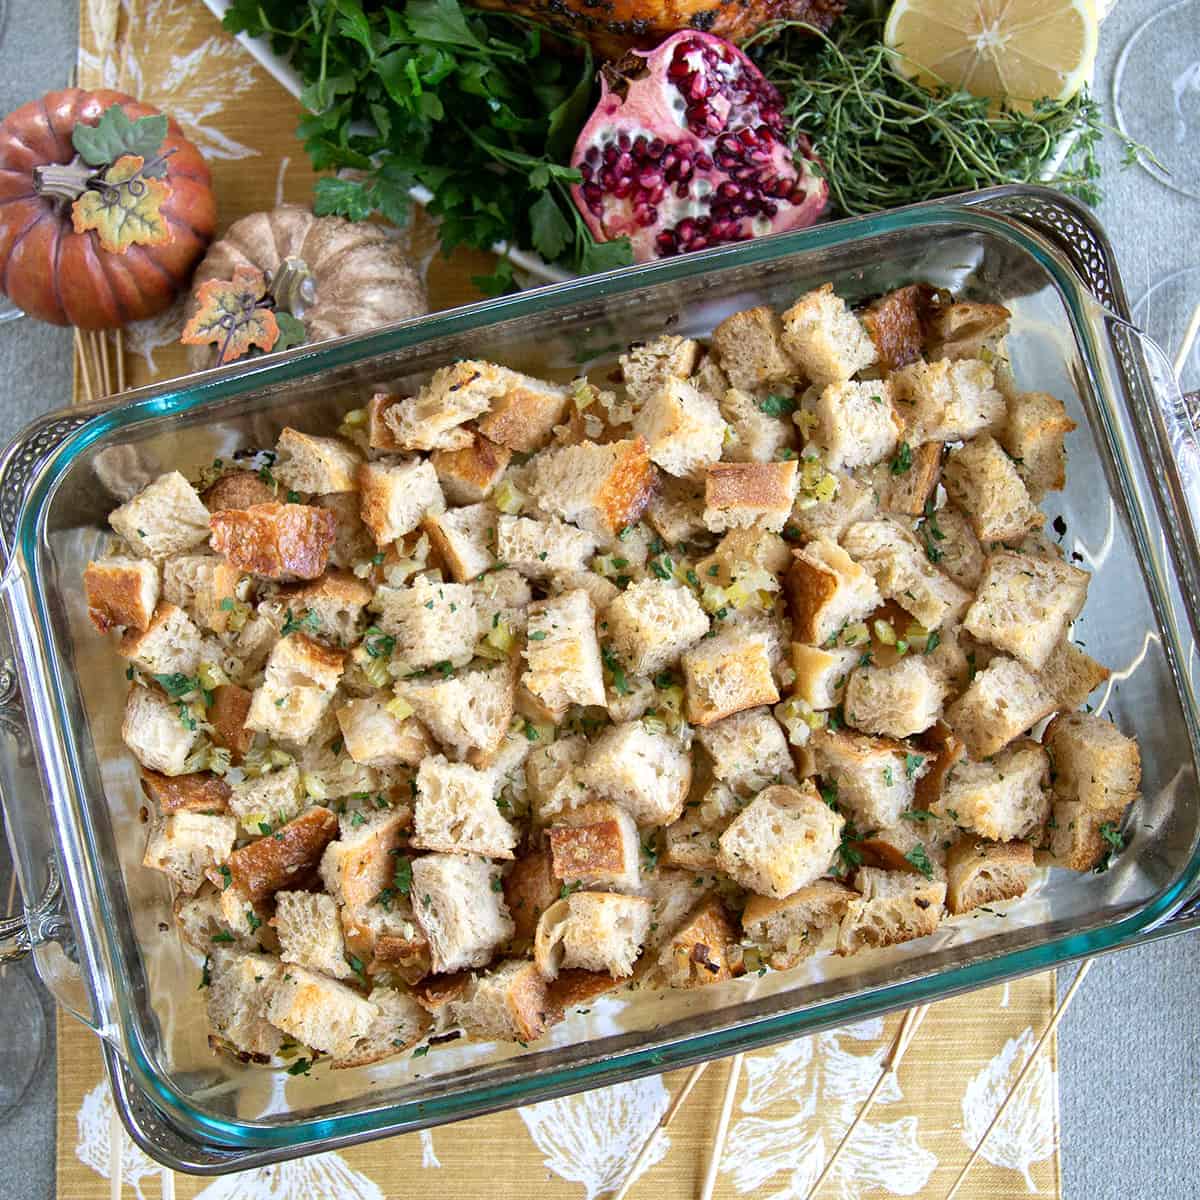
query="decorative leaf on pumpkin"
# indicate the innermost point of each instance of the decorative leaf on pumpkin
(115, 136)
(291, 331)
(123, 207)
(230, 316)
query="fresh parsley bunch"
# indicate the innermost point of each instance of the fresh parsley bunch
(482, 109)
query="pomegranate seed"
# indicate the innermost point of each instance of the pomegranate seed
(682, 189)
(798, 196)
(703, 162)
(728, 190)
(656, 148)
(622, 187)
(666, 242)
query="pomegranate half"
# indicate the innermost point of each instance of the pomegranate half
(686, 150)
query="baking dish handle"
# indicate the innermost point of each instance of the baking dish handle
(43, 929)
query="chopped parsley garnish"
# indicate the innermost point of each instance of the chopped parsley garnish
(538, 635)
(902, 463)
(377, 643)
(222, 935)
(309, 623)
(356, 966)
(301, 1066)
(916, 815)
(912, 762)
(402, 876)
(777, 406)
(177, 684)
(420, 1052)
(226, 876)
(1114, 844)
(920, 860)
(205, 973)
(933, 641)
(620, 683)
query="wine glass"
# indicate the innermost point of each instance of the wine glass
(1166, 312)
(1156, 94)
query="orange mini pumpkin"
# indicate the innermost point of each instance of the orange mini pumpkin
(59, 274)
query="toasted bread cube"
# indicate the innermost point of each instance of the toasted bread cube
(352, 544)
(825, 338)
(940, 749)
(896, 324)
(827, 590)
(204, 585)
(379, 432)
(917, 843)
(562, 652)
(895, 907)
(1004, 798)
(907, 484)
(317, 465)
(857, 424)
(399, 1024)
(238, 489)
(948, 401)
(432, 622)
(740, 494)
(508, 1004)
(983, 481)
(1034, 435)
(320, 1013)
(169, 645)
(962, 329)
(121, 592)
(470, 475)
(289, 854)
(333, 604)
(1076, 840)
(1071, 675)
(750, 347)
(874, 779)
(950, 542)
(683, 429)
(522, 417)
(602, 592)
(648, 774)
(1004, 700)
(394, 494)
(821, 674)
(376, 738)
(310, 933)
(186, 844)
(726, 674)
(456, 811)
(272, 799)
(1025, 604)
(813, 519)
(166, 517)
(789, 930)
(465, 917)
(895, 701)
(469, 711)
(198, 792)
(751, 556)
(595, 845)
(784, 839)
(154, 730)
(236, 1002)
(747, 750)
(646, 369)
(653, 622)
(691, 843)
(433, 418)
(296, 690)
(540, 548)
(275, 541)
(676, 510)
(753, 435)
(903, 572)
(600, 488)
(702, 950)
(980, 872)
(529, 889)
(552, 776)
(464, 537)
(1094, 763)
(604, 931)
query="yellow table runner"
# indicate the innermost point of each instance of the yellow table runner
(795, 1100)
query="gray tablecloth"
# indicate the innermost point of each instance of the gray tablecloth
(1130, 1046)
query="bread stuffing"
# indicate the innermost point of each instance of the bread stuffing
(509, 692)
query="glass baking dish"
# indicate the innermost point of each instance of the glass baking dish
(99, 925)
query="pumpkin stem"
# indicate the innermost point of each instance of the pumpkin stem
(63, 182)
(293, 287)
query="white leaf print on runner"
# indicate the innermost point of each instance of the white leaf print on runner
(93, 1125)
(823, 1082)
(1025, 1134)
(322, 1177)
(144, 337)
(593, 1137)
(429, 1156)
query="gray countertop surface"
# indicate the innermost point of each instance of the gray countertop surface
(1129, 1048)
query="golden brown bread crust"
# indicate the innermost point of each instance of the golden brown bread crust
(199, 792)
(523, 418)
(333, 585)
(944, 748)
(407, 958)
(131, 641)
(471, 473)
(581, 850)
(981, 872)
(705, 949)
(897, 324)
(908, 492)
(114, 597)
(615, 26)
(434, 993)
(227, 716)
(275, 541)
(529, 889)
(629, 487)
(958, 330)
(237, 489)
(278, 860)
(379, 432)
(766, 486)
(529, 1007)
(809, 587)
(575, 986)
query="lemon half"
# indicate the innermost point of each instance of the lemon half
(1016, 51)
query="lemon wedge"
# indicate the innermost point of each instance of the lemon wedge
(1015, 51)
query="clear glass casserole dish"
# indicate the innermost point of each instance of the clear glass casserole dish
(95, 919)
